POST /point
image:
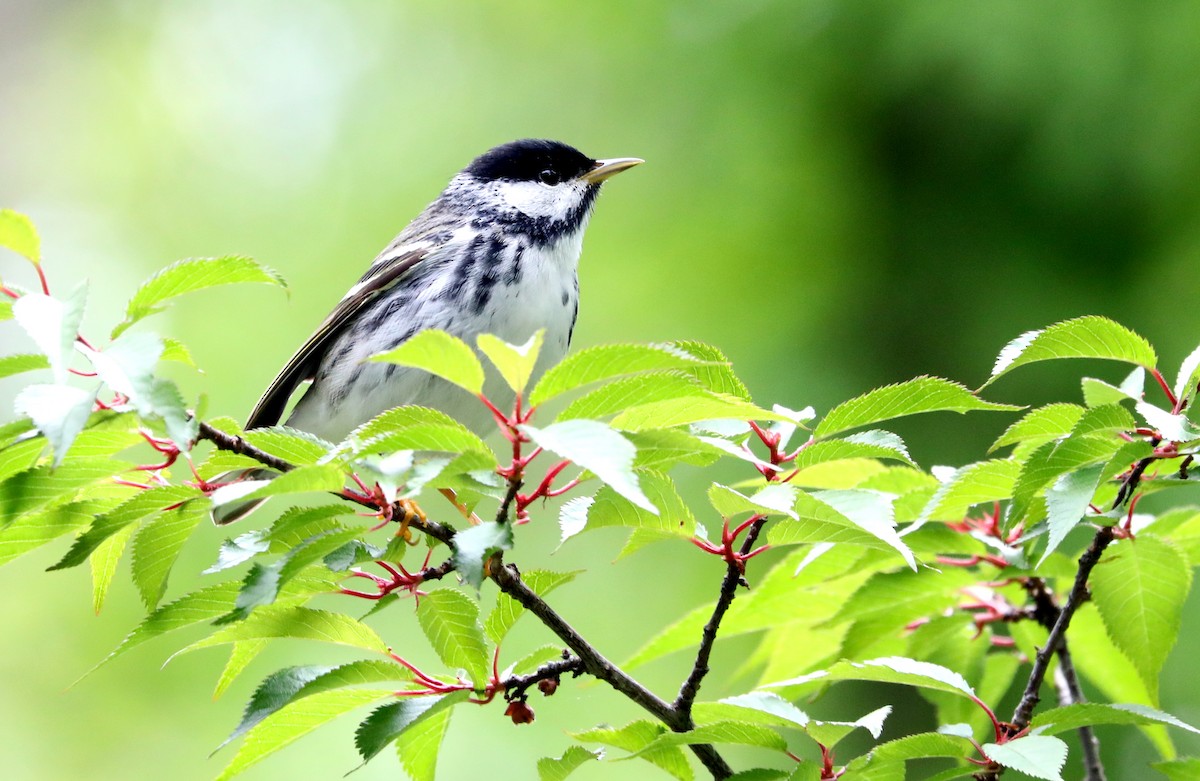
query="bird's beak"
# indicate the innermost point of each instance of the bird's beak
(610, 167)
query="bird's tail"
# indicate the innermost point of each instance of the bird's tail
(229, 512)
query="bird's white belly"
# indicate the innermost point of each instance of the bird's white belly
(545, 296)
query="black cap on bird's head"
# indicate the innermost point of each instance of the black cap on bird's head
(544, 161)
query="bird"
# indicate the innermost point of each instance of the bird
(496, 252)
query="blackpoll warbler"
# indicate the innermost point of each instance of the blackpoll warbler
(497, 252)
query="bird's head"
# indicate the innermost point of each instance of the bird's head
(535, 179)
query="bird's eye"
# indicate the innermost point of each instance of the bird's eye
(549, 176)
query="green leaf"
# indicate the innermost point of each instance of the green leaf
(1083, 714)
(240, 656)
(387, 722)
(892, 669)
(476, 545)
(515, 362)
(1189, 376)
(1104, 419)
(1041, 425)
(507, 610)
(293, 722)
(715, 374)
(303, 479)
(304, 623)
(1097, 393)
(619, 395)
(597, 448)
(201, 605)
(605, 362)
(1051, 460)
(1066, 503)
(16, 364)
(418, 746)
(450, 620)
(774, 499)
(104, 565)
(175, 350)
(983, 481)
(734, 732)
(264, 581)
(157, 546)
(454, 438)
(120, 518)
(186, 276)
(634, 737)
(6, 309)
(551, 769)
(889, 601)
(60, 413)
(167, 403)
(1112, 674)
(780, 711)
(285, 686)
(1083, 337)
(1140, 587)
(691, 409)
(921, 746)
(1034, 755)
(18, 234)
(608, 508)
(870, 511)
(127, 366)
(53, 326)
(32, 531)
(292, 445)
(441, 354)
(45, 487)
(1172, 427)
(1179, 769)
(923, 394)
(865, 444)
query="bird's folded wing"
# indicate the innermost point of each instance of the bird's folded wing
(303, 364)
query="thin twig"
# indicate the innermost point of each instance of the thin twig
(733, 576)
(236, 444)
(594, 663)
(1089, 559)
(516, 686)
(509, 497)
(1066, 681)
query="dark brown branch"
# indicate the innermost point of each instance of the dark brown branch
(1089, 559)
(235, 444)
(502, 514)
(516, 686)
(733, 577)
(1070, 692)
(1045, 611)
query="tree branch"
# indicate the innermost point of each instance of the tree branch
(733, 577)
(1070, 692)
(516, 686)
(1066, 681)
(1089, 559)
(236, 444)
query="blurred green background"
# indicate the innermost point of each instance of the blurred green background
(838, 194)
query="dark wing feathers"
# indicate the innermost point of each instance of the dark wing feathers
(303, 364)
